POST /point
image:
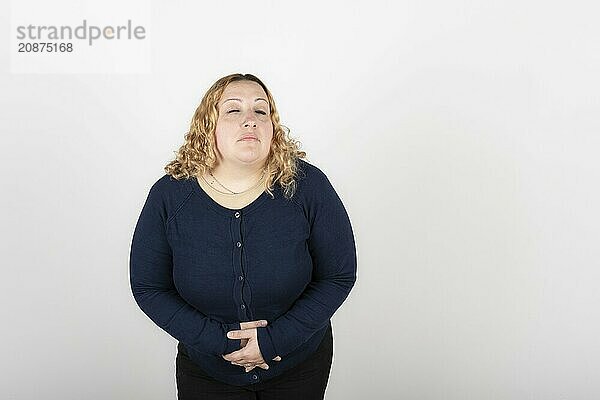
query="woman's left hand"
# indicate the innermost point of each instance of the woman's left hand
(249, 356)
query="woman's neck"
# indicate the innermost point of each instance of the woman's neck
(237, 178)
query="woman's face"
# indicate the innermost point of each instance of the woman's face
(244, 129)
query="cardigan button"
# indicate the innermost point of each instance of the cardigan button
(254, 377)
(239, 244)
(237, 214)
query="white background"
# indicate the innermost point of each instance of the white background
(462, 137)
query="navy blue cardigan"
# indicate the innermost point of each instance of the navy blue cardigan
(198, 269)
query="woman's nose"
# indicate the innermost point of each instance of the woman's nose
(250, 121)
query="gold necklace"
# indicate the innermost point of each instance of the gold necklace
(232, 192)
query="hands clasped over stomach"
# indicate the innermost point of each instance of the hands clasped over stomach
(249, 356)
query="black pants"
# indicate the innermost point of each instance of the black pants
(305, 381)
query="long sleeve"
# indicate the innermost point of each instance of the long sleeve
(333, 252)
(151, 279)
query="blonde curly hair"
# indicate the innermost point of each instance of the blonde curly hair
(197, 155)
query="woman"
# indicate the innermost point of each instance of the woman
(243, 251)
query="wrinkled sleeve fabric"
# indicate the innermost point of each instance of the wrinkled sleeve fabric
(333, 252)
(151, 280)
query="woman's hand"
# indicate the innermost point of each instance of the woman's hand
(249, 325)
(263, 366)
(249, 356)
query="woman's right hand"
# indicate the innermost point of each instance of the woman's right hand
(249, 325)
(261, 323)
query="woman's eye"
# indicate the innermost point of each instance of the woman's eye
(258, 111)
